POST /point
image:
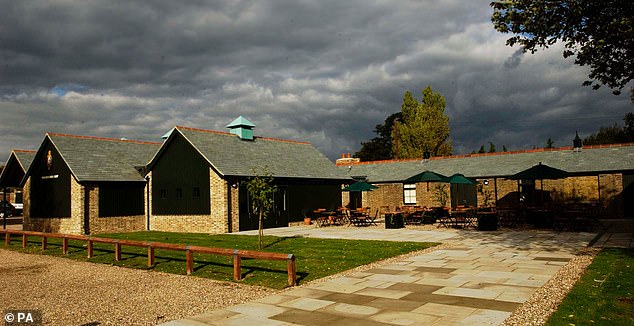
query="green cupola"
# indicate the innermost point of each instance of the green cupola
(242, 127)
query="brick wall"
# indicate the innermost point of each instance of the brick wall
(219, 203)
(235, 210)
(111, 224)
(72, 224)
(605, 188)
(388, 194)
(215, 222)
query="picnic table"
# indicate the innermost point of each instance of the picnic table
(327, 218)
(361, 217)
(459, 218)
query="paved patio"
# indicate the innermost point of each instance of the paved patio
(479, 279)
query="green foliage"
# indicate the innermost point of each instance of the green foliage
(599, 34)
(550, 143)
(262, 196)
(487, 200)
(424, 126)
(613, 134)
(315, 258)
(504, 148)
(491, 147)
(440, 194)
(380, 147)
(481, 150)
(604, 295)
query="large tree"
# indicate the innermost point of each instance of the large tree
(424, 127)
(598, 33)
(613, 134)
(379, 147)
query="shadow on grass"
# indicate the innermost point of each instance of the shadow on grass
(281, 239)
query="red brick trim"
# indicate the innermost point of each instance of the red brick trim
(24, 151)
(230, 134)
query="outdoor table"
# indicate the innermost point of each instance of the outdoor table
(462, 217)
(325, 217)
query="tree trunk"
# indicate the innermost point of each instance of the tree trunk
(260, 231)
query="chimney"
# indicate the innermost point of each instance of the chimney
(242, 127)
(577, 143)
(346, 158)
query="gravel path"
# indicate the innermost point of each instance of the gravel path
(75, 293)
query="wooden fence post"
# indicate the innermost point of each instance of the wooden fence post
(24, 239)
(237, 266)
(89, 249)
(150, 255)
(292, 275)
(189, 261)
(117, 251)
(64, 245)
(44, 242)
(7, 238)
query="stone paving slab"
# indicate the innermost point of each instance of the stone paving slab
(479, 280)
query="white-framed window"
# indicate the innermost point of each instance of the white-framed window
(409, 194)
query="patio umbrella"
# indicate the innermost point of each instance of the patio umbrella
(540, 172)
(460, 179)
(427, 176)
(360, 186)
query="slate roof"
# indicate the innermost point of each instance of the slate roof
(24, 157)
(103, 159)
(231, 156)
(590, 160)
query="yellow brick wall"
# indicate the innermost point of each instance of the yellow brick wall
(213, 223)
(111, 224)
(73, 224)
(390, 194)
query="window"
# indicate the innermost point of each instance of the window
(163, 193)
(179, 193)
(196, 192)
(409, 194)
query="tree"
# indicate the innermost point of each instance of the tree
(613, 134)
(481, 150)
(424, 127)
(261, 192)
(504, 148)
(380, 147)
(491, 147)
(599, 34)
(550, 143)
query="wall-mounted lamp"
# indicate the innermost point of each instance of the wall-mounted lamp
(235, 185)
(486, 182)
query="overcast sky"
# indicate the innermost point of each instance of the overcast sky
(320, 71)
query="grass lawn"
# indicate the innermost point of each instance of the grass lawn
(604, 295)
(315, 258)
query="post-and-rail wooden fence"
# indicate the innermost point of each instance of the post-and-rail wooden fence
(189, 250)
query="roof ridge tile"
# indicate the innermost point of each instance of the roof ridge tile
(520, 151)
(104, 138)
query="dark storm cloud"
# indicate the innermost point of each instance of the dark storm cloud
(321, 71)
